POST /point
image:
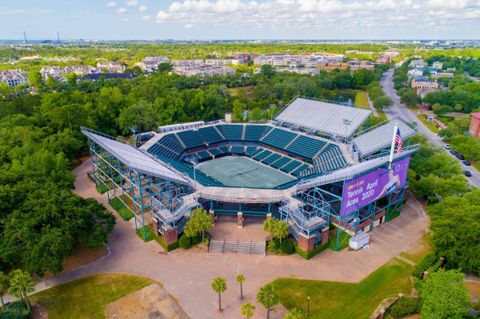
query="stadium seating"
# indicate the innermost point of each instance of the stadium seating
(202, 155)
(191, 139)
(253, 133)
(210, 135)
(291, 166)
(261, 155)
(232, 132)
(223, 149)
(330, 159)
(238, 149)
(298, 171)
(305, 146)
(281, 162)
(270, 159)
(168, 146)
(278, 138)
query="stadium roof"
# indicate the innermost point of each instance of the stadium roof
(322, 116)
(352, 171)
(134, 158)
(380, 137)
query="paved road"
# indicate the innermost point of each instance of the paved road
(400, 110)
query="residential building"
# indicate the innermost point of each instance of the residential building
(111, 67)
(203, 70)
(443, 75)
(474, 129)
(310, 71)
(437, 65)
(424, 84)
(419, 63)
(331, 66)
(14, 77)
(222, 62)
(196, 62)
(357, 65)
(150, 64)
(414, 72)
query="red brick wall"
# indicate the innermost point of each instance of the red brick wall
(306, 244)
(475, 127)
(170, 236)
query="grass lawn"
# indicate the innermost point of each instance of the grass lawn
(361, 100)
(343, 240)
(88, 297)
(121, 209)
(149, 233)
(430, 125)
(345, 300)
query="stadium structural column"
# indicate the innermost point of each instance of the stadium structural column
(170, 235)
(306, 242)
(240, 220)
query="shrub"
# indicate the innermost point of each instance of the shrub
(287, 247)
(404, 307)
(185, 242)
(427, 263)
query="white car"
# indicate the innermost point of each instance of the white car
(447, 146)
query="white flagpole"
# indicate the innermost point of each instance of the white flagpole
(392, 148)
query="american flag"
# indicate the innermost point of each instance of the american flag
(398, 141)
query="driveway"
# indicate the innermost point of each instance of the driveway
(398, 109)
(187, 275)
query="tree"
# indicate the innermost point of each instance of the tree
(444, 295)
(267, 71)
(268, 297)
(248, 310)
(237, 111)
(240, 279)
(142, 115)
(294, 314)
(219, 286)
(199, 223)
(4, 285)
(382, 102)
(21, 283)
(280, 230)
(35, 78)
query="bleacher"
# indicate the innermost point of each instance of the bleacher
(191, 138)
(238, 149)
(278, 138)
(261, 155)
(210, 135)
(290, 167)
(253, 133)
(280, 162)
(305, 147)
(252, 151)
(330, 159)
(202, 155)
(168, 146)
(232, 132)
(297, 172)
(272, 158)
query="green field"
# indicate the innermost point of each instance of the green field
(120, 208)
(345, 300)
(361, 100)
(88, 297)
(236, 171)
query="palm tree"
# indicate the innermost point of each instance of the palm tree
(240, 279)
(247, 310)
(268, 297)
(294, 314)
(21, 283)
(281, 230)
(219, 285)
(4, 284)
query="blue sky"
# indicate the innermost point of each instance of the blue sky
(239, 19)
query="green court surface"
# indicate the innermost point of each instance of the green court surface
(237, 171)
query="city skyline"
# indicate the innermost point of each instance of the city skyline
(238, 19)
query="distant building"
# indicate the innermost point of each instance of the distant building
(14, 77)
(203, 70)
(222, 62)
(196, 62)
(384, 59)
(357, 65)
(437, 65)
(310, 71)
(419, 63)
(107, 76)
(443, 75)
(331, 66)
(424, 84)
(414, 72)
(111, 67)
(474, 129)
(288, 60)
(150, 64)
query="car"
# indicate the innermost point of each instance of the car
(453, 152)
(460, 156)
(447, 146)
(467, 163)
(467, 173)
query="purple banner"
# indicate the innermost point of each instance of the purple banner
(363, 190)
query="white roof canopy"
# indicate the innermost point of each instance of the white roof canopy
(381, 137)
(134, 158)
(325, 117)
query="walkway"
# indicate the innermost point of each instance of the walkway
(187, 275)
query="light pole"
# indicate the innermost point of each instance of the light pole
(308, 306)
(134, 130)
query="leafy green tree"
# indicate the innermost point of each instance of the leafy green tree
(142, 115)
(199, 223)
(4, 285)
(219, 286)
(280, 230)
(294, 314)
(237, 111)
(382, 102)
(21, 283)
(248, 310)
(267, 71)
(444, 295)
(35, 78)
(240, 279)
(268, 297)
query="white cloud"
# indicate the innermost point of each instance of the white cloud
(142, 8)
(111, 4)
(319, 14)
(146, 18)
(122, 11)
(126, 20)
(132, 3)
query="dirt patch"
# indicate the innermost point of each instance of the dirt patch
(39, 312)
(83, 257)
(152, 302)
(473, 289)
